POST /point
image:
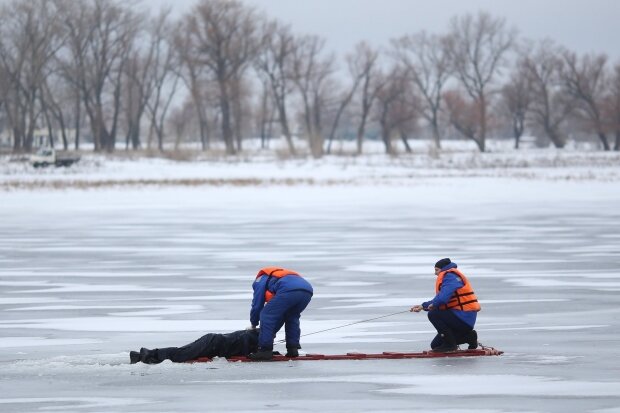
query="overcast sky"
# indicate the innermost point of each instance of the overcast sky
(580, 25)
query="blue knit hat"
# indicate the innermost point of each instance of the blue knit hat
(442, 263)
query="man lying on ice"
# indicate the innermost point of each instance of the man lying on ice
(237, 343)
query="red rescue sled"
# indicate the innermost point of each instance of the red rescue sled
(485, 351)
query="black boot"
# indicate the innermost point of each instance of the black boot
(263, 354)
(448, 345)
(472, 340)
(149, 356)
(292, 351)
(134, 357)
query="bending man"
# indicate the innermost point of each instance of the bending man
(280, 295)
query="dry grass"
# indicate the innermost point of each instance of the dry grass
(111, 183)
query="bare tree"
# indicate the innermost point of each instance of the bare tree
(265, 113)
(428, 66)
(180, 120)
(198, 81)
(364, 62)
(612, 106)
(100, 35)
(241, 92)
(56, 107)
(404, 115)
(70, 60)
(312, 77)
(464, 115)
(136, 94)
(361, 64)
(145, 68)
(222, 36)
(29, 38)
(162, 77)
(584, 79)
(516, 98)
(159, 105)
(550, 106)
(395, 109)
(477, 47)
(275, 66)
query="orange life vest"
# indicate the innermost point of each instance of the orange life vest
(464, 298)
(274, 272)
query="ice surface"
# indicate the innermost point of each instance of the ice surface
(88, 275)
(18, 342)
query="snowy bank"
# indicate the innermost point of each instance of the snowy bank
(260, 168)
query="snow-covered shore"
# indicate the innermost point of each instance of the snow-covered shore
(267, 168)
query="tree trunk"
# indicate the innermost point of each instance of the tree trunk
(78, 114)
(129, 133)
(63, 132)
(603, 137)
(204, 136)
(480, 143)
(435, 129)
(517, 130)
(160, 138)
(48, 122)
(385, 136)
(517, 138)
(117, 108)
(226, 121)
(555, 138)
(403, 137)
(361, 130)
(285, 128)
(483, 124)
(318, 138)
(238, 122)
(263, 120)
(332, 133)
(17, 140)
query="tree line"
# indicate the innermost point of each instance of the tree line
(109, 73)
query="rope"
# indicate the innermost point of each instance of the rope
(350, 324)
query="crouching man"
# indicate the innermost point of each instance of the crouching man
(453, 310)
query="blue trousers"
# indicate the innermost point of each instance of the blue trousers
(444, 322)
(283, 309)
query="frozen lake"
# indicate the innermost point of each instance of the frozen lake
(87, 276)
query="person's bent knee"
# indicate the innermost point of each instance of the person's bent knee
(433, 315)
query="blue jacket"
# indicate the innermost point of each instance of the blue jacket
(450, 284)
(276, 286)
